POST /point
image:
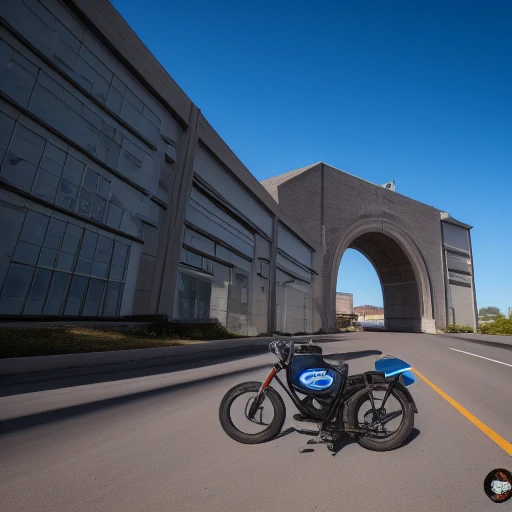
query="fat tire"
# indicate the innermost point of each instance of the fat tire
(273, 429)
(396, 439)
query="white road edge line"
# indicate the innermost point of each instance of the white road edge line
(481, 357)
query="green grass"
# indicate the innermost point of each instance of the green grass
(502, 326)
(44, 341)
(458, 328)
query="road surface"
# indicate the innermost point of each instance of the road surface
(150, 439)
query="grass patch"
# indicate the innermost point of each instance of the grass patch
(453, 328)
(502, 325)
(44, 341)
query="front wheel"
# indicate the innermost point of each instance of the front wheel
(388, 427)
(267, 422)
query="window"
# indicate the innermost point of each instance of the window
(76, 294)
(61, 268)
(193, 297)
(56, 293)
(15, 288)
(35, 301)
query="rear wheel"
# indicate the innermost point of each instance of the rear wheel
(388, 427)
(267, 422)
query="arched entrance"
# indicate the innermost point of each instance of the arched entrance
(402, 273)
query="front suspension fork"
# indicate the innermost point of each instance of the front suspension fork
(261, 392)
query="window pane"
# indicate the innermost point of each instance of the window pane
(54, 234)
(83, 265)
(120, 253)
(26, 253)
(73, 170)
(66, 197)
(116, 272)
(111, 303)
(115, 214)
(84, 201)
(15, 288)
(103, 187)
(65, 261)
(56, 294)
(34, 228)
(103, 249)
(90, 180)
(99, 269)
(93, 299)
(99, 207)
(47, 257)
(35, 301)
(89, 242)
(76, 295)
(45, 185)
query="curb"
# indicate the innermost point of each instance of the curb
(163, 355)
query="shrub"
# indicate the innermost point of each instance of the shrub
(458, 328)
(502, 325)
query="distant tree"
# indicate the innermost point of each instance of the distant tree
(489, 313)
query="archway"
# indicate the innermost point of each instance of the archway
(401, 270)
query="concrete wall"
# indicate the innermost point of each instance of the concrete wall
(117, 196)
(401, 237)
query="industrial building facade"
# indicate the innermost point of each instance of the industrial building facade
(119, 200)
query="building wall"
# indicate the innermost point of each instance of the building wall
(344, 303)
(117, 196)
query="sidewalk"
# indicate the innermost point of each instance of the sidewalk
(167, 355)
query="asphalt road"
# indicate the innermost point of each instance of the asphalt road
(150, 440)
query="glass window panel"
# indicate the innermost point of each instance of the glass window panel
(93, 299)
(83, 265)
(103, 187)
(114, 216)
(99, 269)
(84, 201)
(103, 249)
(34, 228)
(76, 295)
(15, 288)
(54, 234)
(116, 272)
(37, 294)
(56, 293)
(47, 257)
(66, 197)
(120, 253)
(73, 170)
(99, 207)
(65, 261)
(201, 243)
(194, 260)
(90, 180)
(111, 303)
(71, 239)
(26, 253)
(45, 185)
(89, 242)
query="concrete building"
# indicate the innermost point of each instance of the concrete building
(344, 303)
(118, 199)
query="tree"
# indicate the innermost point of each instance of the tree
(489, 313)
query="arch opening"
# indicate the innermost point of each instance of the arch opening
(402, 273)
(400, 290)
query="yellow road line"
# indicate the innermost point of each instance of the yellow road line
(502, 443)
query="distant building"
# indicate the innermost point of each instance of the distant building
(366, 313)
(344, 303)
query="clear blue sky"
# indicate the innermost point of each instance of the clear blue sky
(416, 91)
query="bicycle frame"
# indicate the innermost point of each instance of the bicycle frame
(350, 385)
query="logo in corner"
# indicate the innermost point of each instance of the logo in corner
(498, 485)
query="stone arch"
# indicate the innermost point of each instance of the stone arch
(405, 281)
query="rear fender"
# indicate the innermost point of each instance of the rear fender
(408, 395)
